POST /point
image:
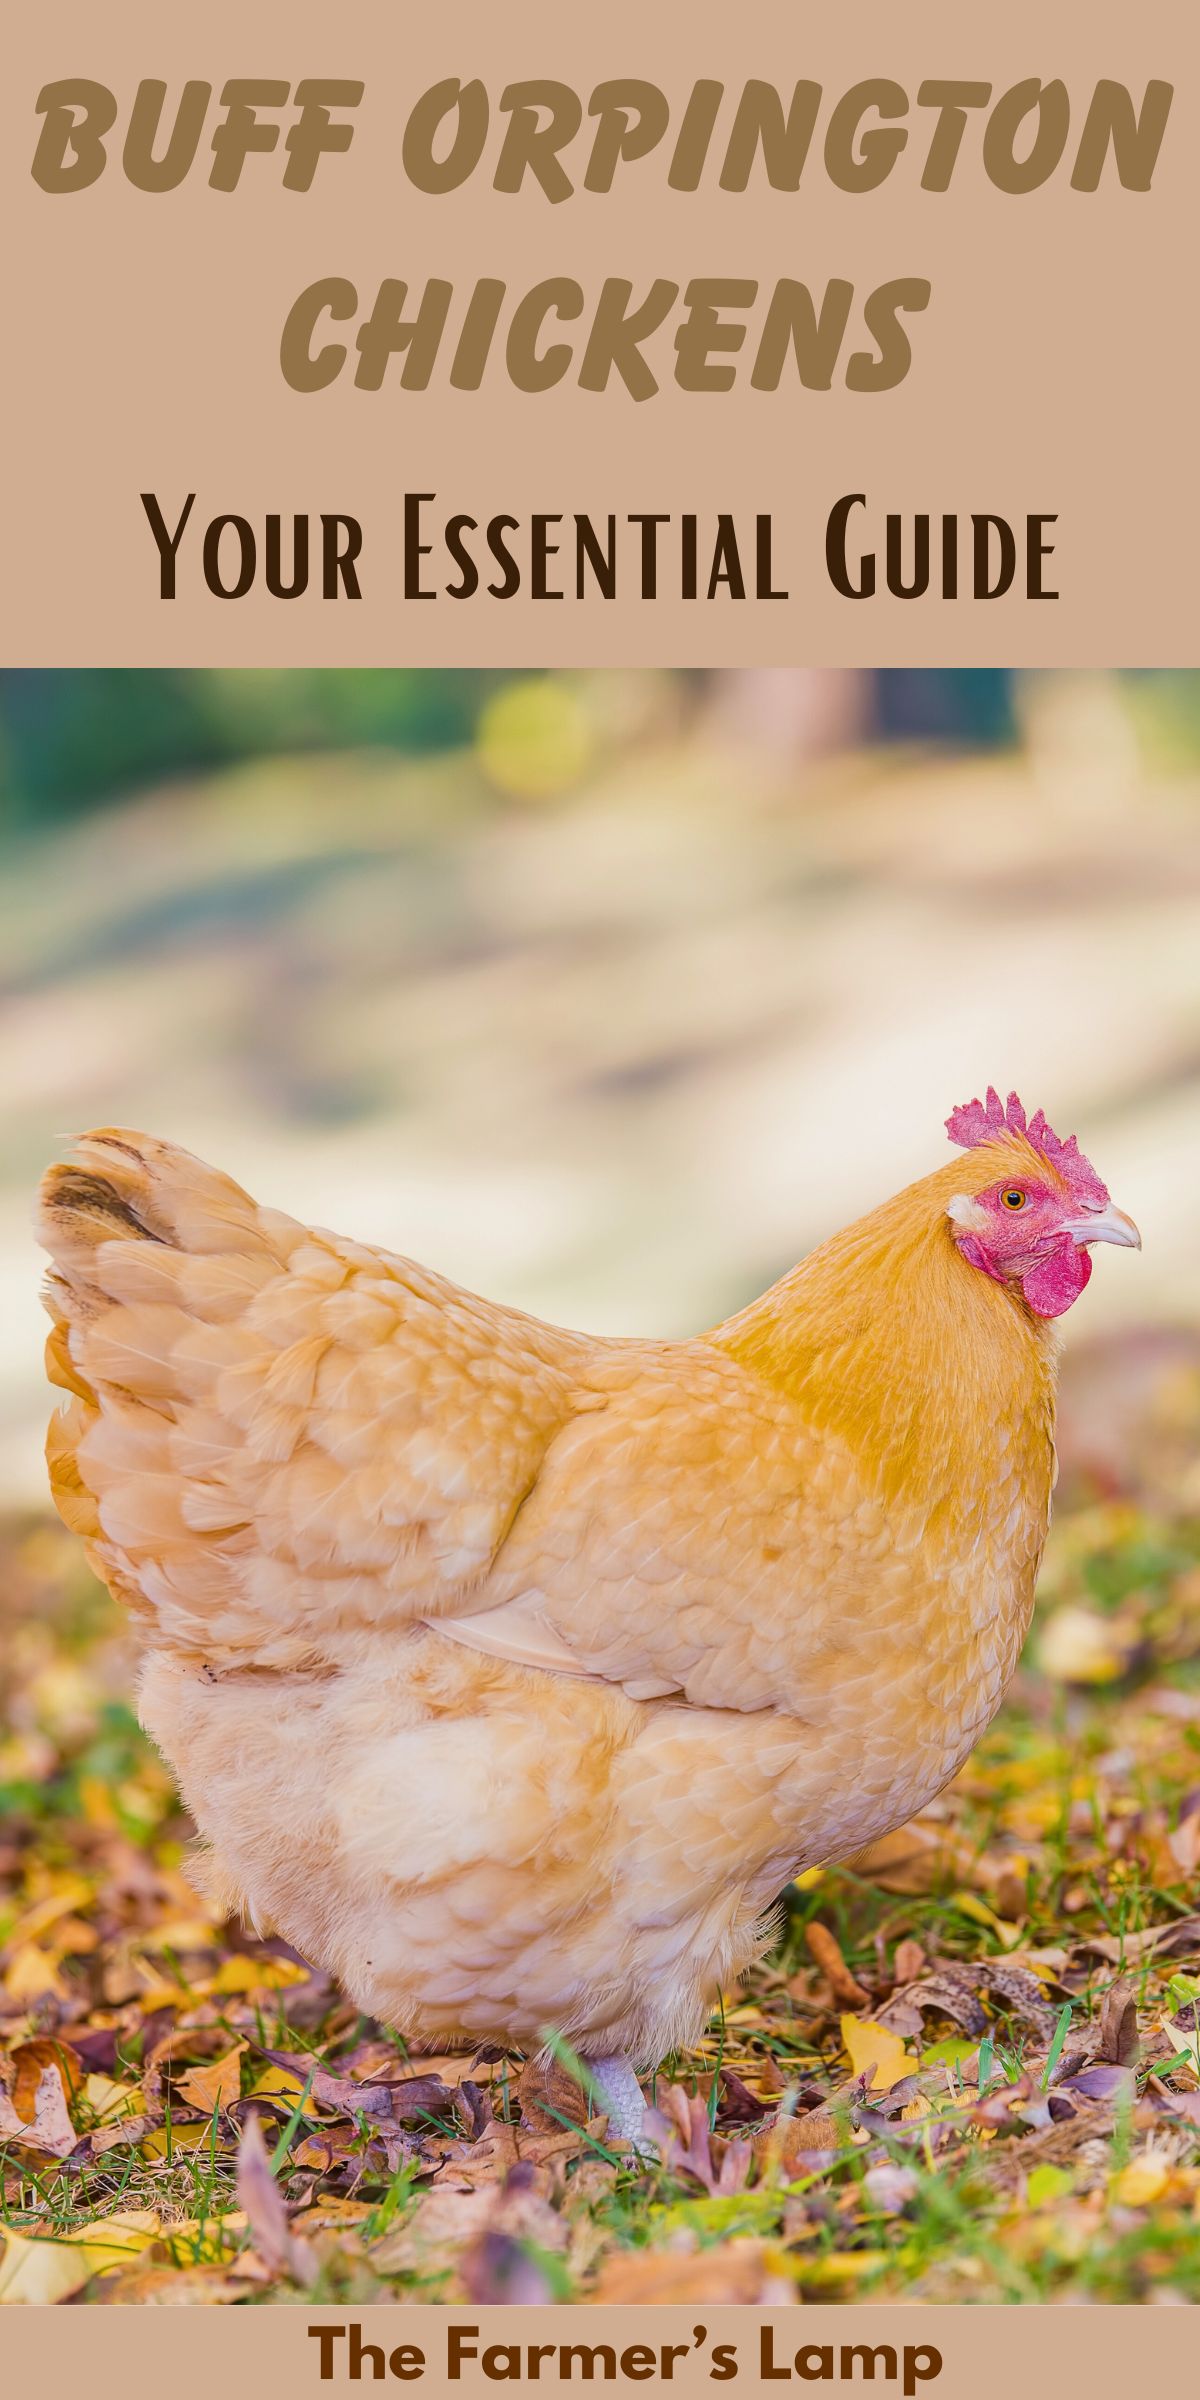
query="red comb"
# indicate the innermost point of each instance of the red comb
(989, 1120)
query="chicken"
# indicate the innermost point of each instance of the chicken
(509, 1672)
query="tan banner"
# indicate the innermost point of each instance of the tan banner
(983, 2353)
(601, 335)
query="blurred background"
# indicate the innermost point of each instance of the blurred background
(612, 993)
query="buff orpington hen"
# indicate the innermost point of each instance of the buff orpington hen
(510, 1672)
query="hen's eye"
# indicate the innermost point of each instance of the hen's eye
(1013, 1198)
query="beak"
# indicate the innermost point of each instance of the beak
(1106, 1225)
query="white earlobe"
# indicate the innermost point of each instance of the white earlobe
(962, 1210)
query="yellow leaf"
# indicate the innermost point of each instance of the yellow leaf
(185, 1933)
(110, 2100)
(199, 2241)
(1143, 2180)
(32, 1975)
(96, 1801)
(838, 2266)
(40, 2272)
(73, 1894)
(111, 2237)
(163, 2143)
(870, 2045)
(279, 2080)
(1078, 1646)
(155, 1995)
(242, 1974)
(969, 1904)
(37, 2274)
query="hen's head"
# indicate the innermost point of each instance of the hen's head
(1033, 1206)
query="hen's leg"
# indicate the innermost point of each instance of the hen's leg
(620, 2096)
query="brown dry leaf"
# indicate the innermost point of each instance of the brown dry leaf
(216, 2084)
(909, 1960)
(449, 2223)
(688, 2145)
(446, 2220)
(795, 2146)
(451, 2067)
(266, 2213)
(46, 2127)
(1178, 1940)
(149, 2284)
(125, 2133)
(30, 2059)
(489, 2160)
(1020, 1990)
(946, 1992)
(826, 1950)
(737, 2274)
(497, 2270)
(547, 2093)
(1119, 2042)
(401, 2100)
(914, 1859)
(1184, 1843)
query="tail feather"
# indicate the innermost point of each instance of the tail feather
(149, 1248)
(271, 1436)
(130, 1187)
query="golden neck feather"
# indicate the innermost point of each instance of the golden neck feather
(886, 1337)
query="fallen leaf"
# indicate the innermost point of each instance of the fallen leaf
(969, 1904)
(32, 1974)
(890, 2187)
(1143, 2181)
(176, 2140)
(497, 2269)
(1119, 2026)
(790, 2146)
(266, 2210)
(43, 2121)
(679, 2124)
(871, 2045)
(946, 1992)
(738, 2274)
(825, 1949)
(1076, 1645)
(547, 2093)
(108, 2100)
(40, 2271)
(909, 1960)
(215, 2084)
(915, 1858)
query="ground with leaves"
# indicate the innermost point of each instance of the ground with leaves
(970, 2070)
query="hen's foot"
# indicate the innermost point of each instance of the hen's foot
(620, 2097)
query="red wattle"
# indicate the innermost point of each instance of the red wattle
(1056, 1281)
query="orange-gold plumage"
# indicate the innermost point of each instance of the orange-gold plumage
(509, 1672)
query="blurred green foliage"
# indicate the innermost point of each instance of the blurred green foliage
(72, 737)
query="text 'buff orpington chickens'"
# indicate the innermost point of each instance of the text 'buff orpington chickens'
(509, 1672)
